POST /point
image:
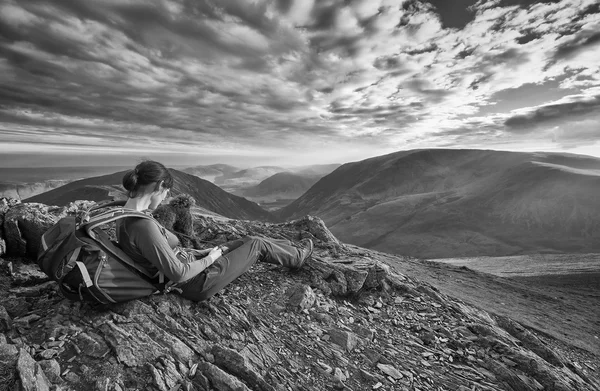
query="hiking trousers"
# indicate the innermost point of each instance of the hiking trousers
(242, 254)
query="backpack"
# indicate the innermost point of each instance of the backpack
(78, 254)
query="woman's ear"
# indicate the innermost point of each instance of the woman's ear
(158, 186)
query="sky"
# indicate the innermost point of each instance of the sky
(293, 82)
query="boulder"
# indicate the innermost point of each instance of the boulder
(345, 339)
(300, 296)
(221, 380)
(5, 205)
(24, 225)
(31, 374)
(5, 320)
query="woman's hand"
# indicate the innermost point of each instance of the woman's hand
(214, 254)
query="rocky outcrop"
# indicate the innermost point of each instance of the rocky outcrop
(5, 205)
(24, 223)
(344, 321)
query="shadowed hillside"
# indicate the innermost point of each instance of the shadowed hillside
(206, 194)
(450, 203)
(317, 170)
(281, 185)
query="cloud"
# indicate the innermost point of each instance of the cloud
(566, 109)
(584, 40)
(267, 74)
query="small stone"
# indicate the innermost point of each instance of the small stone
(390, 371)
(373, 355)
(48, 354)
(52, 370)
(508, 361)
(72, 377)
(220, 379)
(91, 344)
(325, 367)
(300, 296)
(366, 299)
(277, 309)
(368, 376)
(345, 339)
(324, 318)
(5, 320)
(364, 332)
(378, 385)
(55, 344)
(193, 370)
(338, 375)
(427, 337)
(7, 350)
(29, 274)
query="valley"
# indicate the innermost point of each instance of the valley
(564, 307)
(531, 266)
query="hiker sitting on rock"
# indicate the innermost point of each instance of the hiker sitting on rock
(198, 274)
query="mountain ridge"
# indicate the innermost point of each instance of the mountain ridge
(437, 203)
(206, 194)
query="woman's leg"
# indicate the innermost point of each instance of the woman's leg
(242, 254)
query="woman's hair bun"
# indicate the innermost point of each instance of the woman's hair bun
(130, 180)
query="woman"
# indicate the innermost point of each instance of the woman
(198, 274)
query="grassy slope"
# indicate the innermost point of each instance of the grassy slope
(206, 194)
(281, 185)
(443, 203)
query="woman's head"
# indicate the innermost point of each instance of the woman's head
(146, 178)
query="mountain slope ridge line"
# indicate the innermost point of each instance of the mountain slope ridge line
(500, 203)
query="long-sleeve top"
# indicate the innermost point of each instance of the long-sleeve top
(156, 249)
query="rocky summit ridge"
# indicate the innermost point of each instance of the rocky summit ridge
(345, 321)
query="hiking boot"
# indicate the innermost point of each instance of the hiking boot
(305, 252)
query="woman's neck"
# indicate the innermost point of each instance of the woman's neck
(138, 203)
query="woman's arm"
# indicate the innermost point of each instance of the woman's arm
(154, 247)
(199, 253)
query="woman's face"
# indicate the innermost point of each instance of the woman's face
(158, 196)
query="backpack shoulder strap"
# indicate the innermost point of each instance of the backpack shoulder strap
(110, 216)
(87, 215)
